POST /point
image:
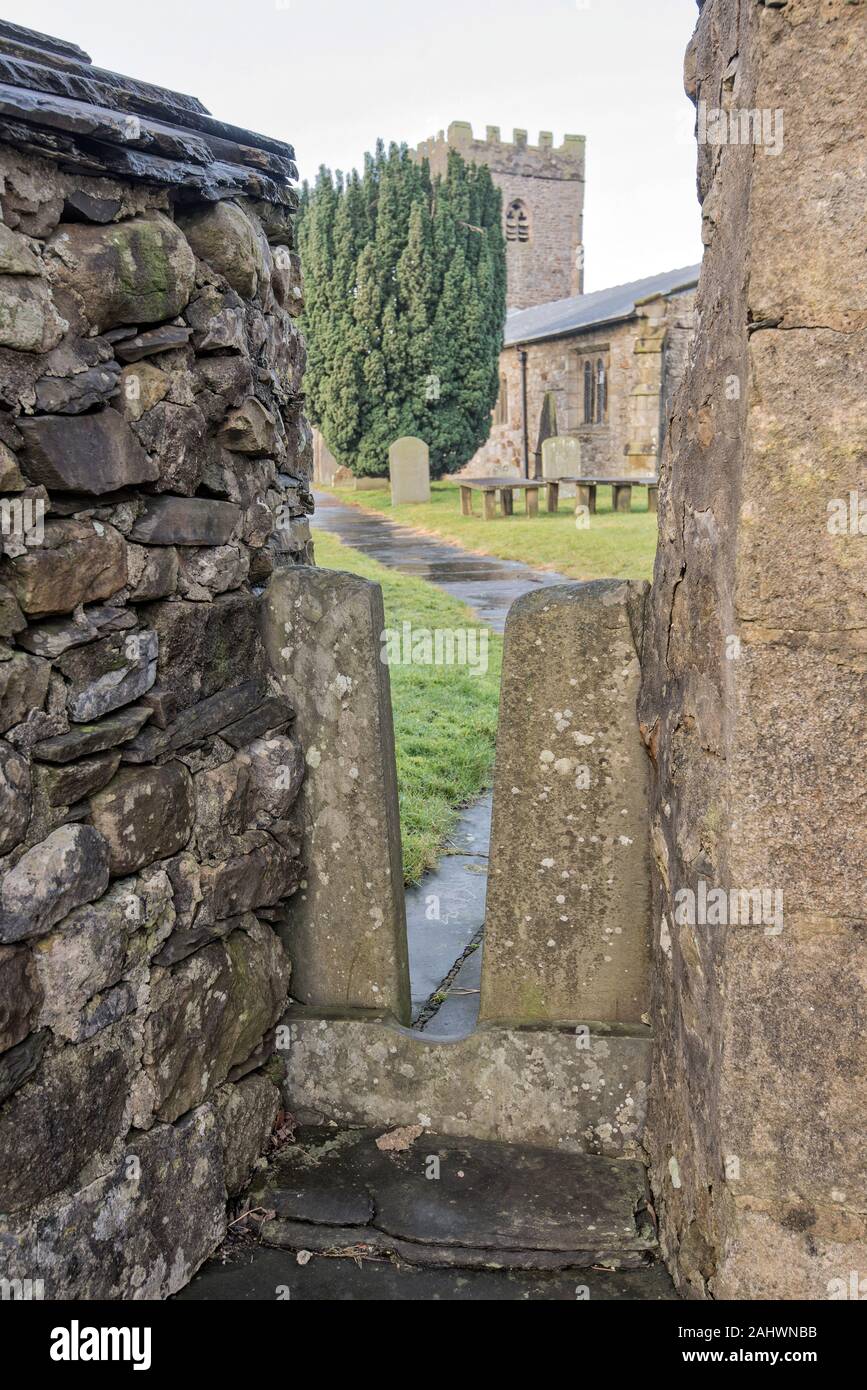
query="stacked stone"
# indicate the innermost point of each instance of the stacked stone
(154, 467)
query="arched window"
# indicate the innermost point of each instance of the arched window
(517, 221)
(588, 393)
(601, 392)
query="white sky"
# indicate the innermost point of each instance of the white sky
(331, 75)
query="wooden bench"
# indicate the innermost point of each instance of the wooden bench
(621, 492)
(506, 487)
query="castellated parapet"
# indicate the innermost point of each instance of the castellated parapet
(543, 205)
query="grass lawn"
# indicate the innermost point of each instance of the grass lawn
(616, 545)
(445, 719)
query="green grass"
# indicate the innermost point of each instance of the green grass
(616, 545)
(445, 719)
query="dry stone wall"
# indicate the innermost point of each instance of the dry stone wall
(154, 466)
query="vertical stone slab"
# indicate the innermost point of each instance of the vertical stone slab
(409, 470)
(568, 911)
(323, 633)
(561, 458)
(753, 697)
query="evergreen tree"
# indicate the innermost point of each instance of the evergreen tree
(405, 291)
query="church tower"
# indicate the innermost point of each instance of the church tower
(543, 206)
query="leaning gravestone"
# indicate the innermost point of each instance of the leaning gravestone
(409, 470)
(567, 925)
(561, 458)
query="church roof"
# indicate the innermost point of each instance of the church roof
(55, 103)
(591, 310)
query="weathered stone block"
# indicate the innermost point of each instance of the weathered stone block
(143, 1237)
(78, 562)
(176, 437)
(251, 429)
(209, 1013)
(245, 1118)
(53, 638)
(576, 1089)
(12, 620)
(195, 724)
(72, 782)
(105, 675)
(323, 635)
(144, 815)
(20, 995)
(71, 395)
(212, 570)
(568, 908)
(142, 387)
(152, 571)
(153, 341)
(20, 1062)
(14, 797)
(64, 871)
(207, 648)
(86, 453)
(186, 521)
(247, 881)
(67, 1117)
(276, 774)
(89, 950)
(227, 239)
(137, 271)
(92, 738)
(29, 321)
(23, 687)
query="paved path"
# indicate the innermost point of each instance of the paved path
(488, 585)
(446, 910)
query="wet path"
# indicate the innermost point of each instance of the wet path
(445, 911)
(488, 585)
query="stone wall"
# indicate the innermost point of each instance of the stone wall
(753, 697)
(645, 359)
(155, 468)
(549, 181)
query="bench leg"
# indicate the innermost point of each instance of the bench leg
(621, 497)
(552, 497)
(585, 496)
(532, 503)
(507, 501)
(653, 499)
(489, 500)
(466, 501)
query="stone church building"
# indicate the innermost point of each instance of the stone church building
(600, 368)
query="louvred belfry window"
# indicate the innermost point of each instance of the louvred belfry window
(517, 221)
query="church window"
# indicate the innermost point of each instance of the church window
(601, 393)
(588, 393)
(501, 410)
(517, 221)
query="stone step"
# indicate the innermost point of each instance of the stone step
(457, 1203)
(263, 1274)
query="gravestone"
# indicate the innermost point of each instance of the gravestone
(568, 912)
(323, 633)
(561, 458)
(409, 470)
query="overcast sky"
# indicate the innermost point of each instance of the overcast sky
(331, 75)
